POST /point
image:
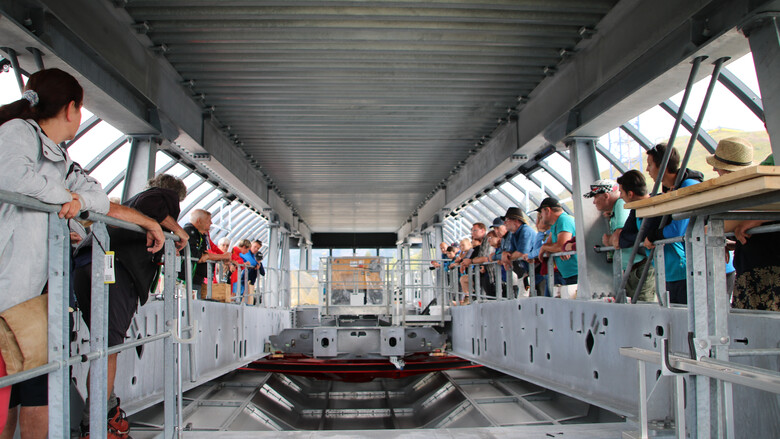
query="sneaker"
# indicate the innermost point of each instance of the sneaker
(117, 421)
(118, 425)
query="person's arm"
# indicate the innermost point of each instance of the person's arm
(614, 238)
(88, 189)
(556, 247)
(154, 234)
(171, 224)
(740, 227)
(214, 257)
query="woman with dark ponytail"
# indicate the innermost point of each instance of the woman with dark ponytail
(33, 163)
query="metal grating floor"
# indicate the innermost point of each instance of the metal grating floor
(448, 403)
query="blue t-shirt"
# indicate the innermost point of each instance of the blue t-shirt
(539, 240)
(565, 223)
(522, 241)
(674, 254)
(249, 258)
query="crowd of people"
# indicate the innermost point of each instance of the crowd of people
(752, 265)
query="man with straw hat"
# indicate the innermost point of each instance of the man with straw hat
(756, 260)
(731, 154)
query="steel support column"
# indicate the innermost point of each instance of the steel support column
(592, 270)
(305, 256)
(140, 165)
(764, 36)
(272, 260)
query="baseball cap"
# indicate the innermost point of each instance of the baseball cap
(547, 202)
(601, 187)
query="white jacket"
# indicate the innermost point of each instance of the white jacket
(32, 164)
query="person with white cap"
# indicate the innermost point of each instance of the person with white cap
(756, 259)
(606, 198)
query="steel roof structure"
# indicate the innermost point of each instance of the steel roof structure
(364, 117)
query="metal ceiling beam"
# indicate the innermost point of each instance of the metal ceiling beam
(637, 135)
(554, 174)
(548, 191)
(601, 149)
(110, 149)
(531, 196)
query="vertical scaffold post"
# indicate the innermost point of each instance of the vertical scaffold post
(169, 357)
(59, 380)
(98, 334)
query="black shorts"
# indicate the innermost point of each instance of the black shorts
(31, 393)
(122, 301)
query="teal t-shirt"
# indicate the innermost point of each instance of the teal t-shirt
(565, 223)
(617, 221)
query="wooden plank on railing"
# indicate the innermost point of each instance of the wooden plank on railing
(748, 182)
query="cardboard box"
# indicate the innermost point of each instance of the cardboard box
(219, 292)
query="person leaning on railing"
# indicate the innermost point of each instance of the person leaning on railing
(540, 265)
(201, 247)
(756, 258)
(33, 163)
(562, 231)
(674, 254)
(136, 272)
(238, 284)
(480, 254)
(633, 187)
(521, 238)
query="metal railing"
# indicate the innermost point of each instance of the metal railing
(503, 283)
(420, 291)
(242, 296)
(177, 318)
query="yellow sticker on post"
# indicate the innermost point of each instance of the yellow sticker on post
(109, 276)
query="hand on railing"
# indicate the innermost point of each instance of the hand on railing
(71, 208)
(561, 255)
